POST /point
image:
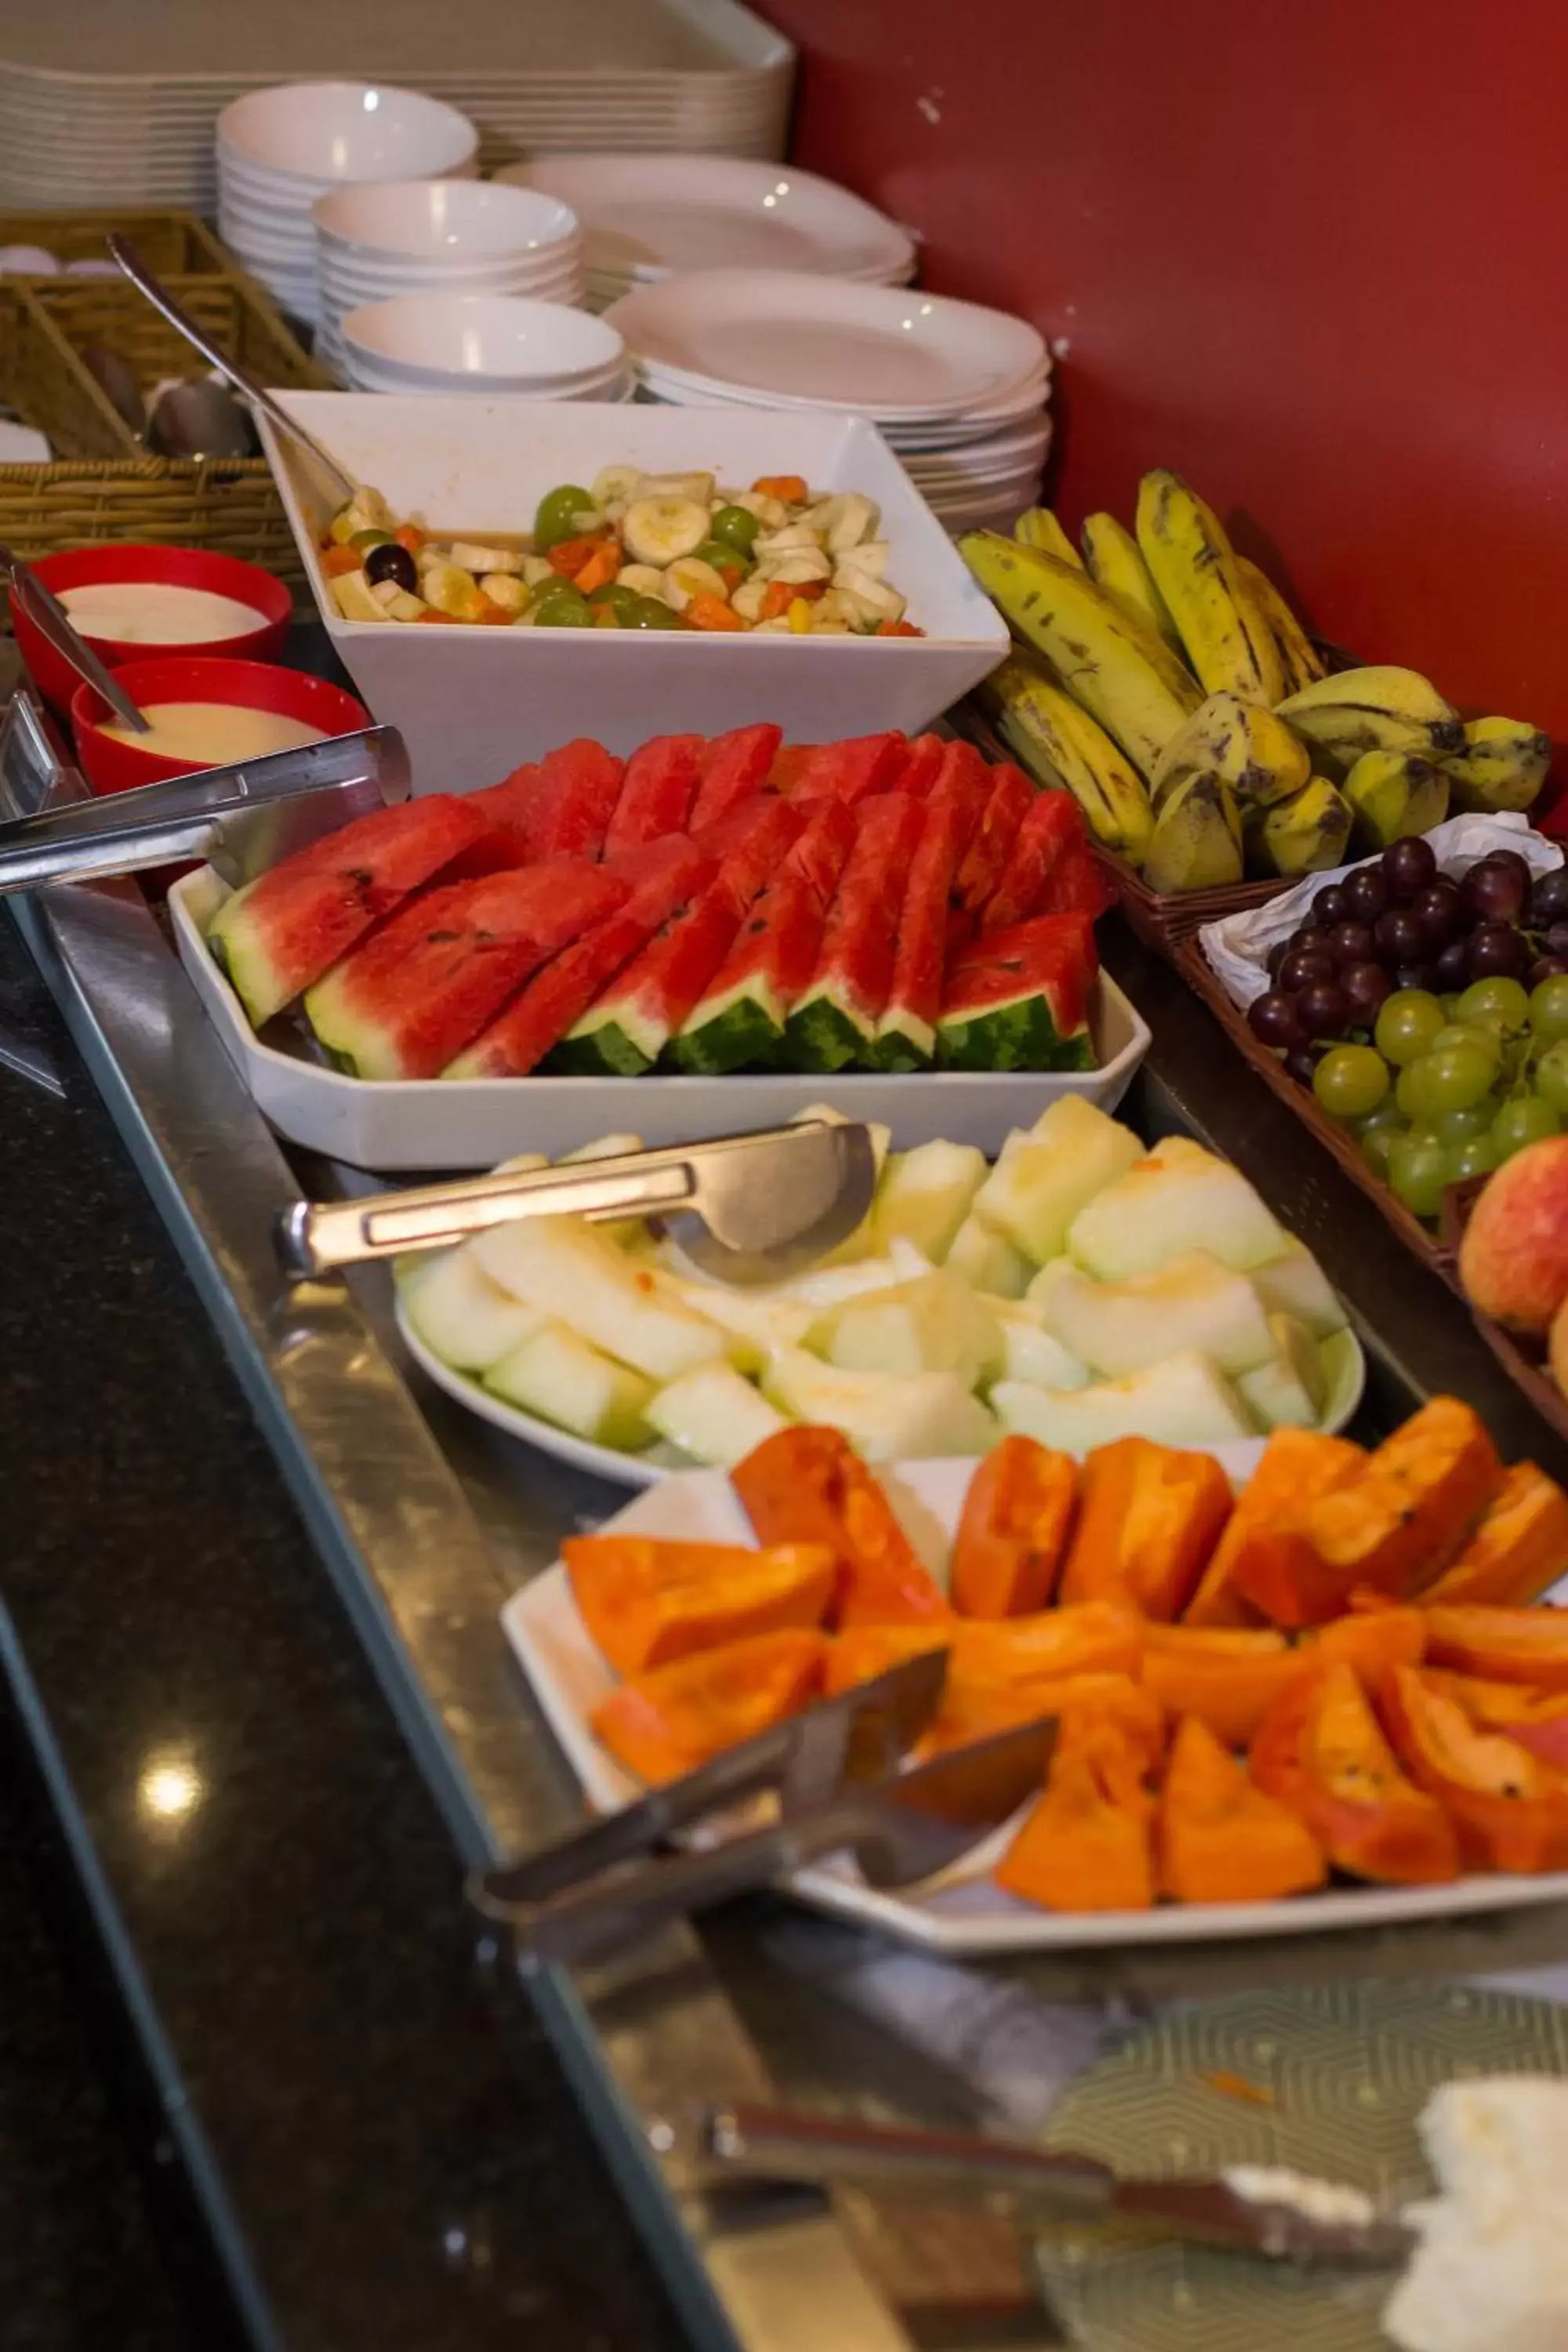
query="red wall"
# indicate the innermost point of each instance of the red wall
(1315, 259)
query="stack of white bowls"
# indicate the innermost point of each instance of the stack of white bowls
(484, 343)
(958, 391)
(279, 150)
(387, 237)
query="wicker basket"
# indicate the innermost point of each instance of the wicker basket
(103, 485)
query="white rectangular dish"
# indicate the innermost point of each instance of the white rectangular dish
(965, 1915)
(472, 702)
(428, 1124)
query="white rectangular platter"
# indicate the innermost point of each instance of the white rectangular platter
(431, 1124)
(966, 1916)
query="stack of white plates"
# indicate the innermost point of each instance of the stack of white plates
(645, 217)
(279, 150)
(484, 343)
(435, 236)
(960, 392)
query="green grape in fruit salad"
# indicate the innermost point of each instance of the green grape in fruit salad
(1350, 1081)
(559, 606)
(1525, 1119)
(736, 528)
(1549, 1009)
(564, 513)
(1551, 1076)
(647, 612)
(619, 599)
(1407, 1023)
(1498, 998)
(1418, 1169)
(722, 556)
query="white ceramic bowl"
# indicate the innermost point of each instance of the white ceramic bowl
(328, 130)
(363, 375)
(480, 341)
(472, 702)
(542, 279)
(449, 222)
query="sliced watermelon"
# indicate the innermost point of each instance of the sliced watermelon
(835, 1022)
(789, 760)
(628, 1026)
(1018, 1000)
(402, 1004)
(1051, 823)
(741, 1016)
(906, 1033)
(734, 768)
(851, 770)
(1076, 885)
(278, 935)
(656, 792)
(513, 808)
(991, 844)
(751, 843)
(578, 788)
(923, 765)
(963, 785)
(670, 874)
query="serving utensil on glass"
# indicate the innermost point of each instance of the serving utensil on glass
(51, 620)
(751, 1208)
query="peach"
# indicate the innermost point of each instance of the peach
(1513, 1260)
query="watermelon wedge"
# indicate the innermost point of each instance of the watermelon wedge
(739, 1017)
(574, 799)
(835, 1022)
(906, 1033)
(992, 842)
(402, 1004)
(1051, 823)
(923, 765)
(629, 1025)
(1075, 885)
(511, 808)
(751, 843)
(277, 936)
(963, 785)
(656, 792)
(1018, 1000)
(670, 874)
(789, 760)
(734, 768)
(851, 770)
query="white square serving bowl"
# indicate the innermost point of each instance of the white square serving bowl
(473, 702)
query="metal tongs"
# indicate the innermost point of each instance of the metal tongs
(835, 1773)
(752, 1207)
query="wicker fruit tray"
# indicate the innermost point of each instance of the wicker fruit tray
(1522, 1355)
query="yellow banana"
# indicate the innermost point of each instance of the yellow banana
(1121, 672)
(1229, 643)
(1113, 557)
(1258, 756)
(1196, 841)
(1060, 745)
(1383, 709)
(1304, 835)
(1298, 657)
(1502, 766)
(1392, 793)
(1039, 527)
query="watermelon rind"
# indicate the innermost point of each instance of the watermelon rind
(743, 1029)
(1018, 1035)
(903, 1042)
(605, 1046)
(825, 1033)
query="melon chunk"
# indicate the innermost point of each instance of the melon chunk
(1294, 1283)
(864, 1239)
(885, 1418)
(1291, 1390)
(1181, 1401)
(1177, 1197)
(757, 1323)
(828, 1285)
(934, 1324)
(714, 1415)
(557, 1374)
(565, 1269)
(988, 1261)
(1030, 1353)
(1047, 1175)
(460, 1313)
(1192, 1301)
(926, 1194)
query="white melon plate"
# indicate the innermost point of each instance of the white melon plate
(430, 1124)
(964, 1914)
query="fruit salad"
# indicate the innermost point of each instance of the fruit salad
(636, 551)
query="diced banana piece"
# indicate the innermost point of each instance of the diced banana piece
(869, 557)
(778, 627)
(822, 517)
(781, 542)
(857, 520)
(772, 513)
(536, 570)
(355, 598)
(504, 588)
(833, 611)
(698, 487)
(397, 603)
(692, 577)
(642, 579)
(874, 596)
(366, 510)
(660, 531)
(451, 590)
(476, 559)
(747, 600)
(801, 565)
(617, 485)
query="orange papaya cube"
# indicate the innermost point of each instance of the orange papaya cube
(1503, 1645)
(1509, 1808)
(1228, 1677)
(1112, 1723)
(670, 1720)
(1080, 1849)
(646, 1599)
(1297, 1466)
(1013, 1533)
(1219, 1838)
(808, 1485)
(1373, 1640)
(1537, 1719)
(860, 1653)
(1519, 1548)
(1148, 1517)
(1322, 1752)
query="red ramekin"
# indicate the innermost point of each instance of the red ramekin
(110, 766)
(179, 567)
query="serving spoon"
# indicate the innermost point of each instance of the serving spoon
(51, 620)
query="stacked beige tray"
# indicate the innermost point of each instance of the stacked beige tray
(101, 103)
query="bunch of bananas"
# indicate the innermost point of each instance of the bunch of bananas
(1164, 680)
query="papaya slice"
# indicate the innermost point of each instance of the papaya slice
(1322, 1752)
(1226, 1676)
(808, 1485)
(1120, 1726)
(1220, 1838)
(1080, 1849)
(647, 1601)
(1149, 1517)
(1372, 1639)
(1504, 1646)
(1519, 1546)
(1537, 1719)
(1510, 1809)
(666, 1722)
(1007, 1672)
(1297, 1465)
(1018, 1513)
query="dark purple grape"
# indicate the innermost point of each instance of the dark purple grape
(1366, 986)
(392, 561)
(1437, 910)
(1492, 892)
(1351, 943)
(1329, 907)
(1303, 1060)
(1514, 862)
(1555, 940)
(1366, 893)
(1277, 955)
(1549, 898)
(1399, 935)
(1273, 1022)
(1306, 935)
(1416, 975)
(1494, 952)
(1545, 968)
(1302, 966)
(1409, 865)
(1323, 1010)
(1453, 966)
